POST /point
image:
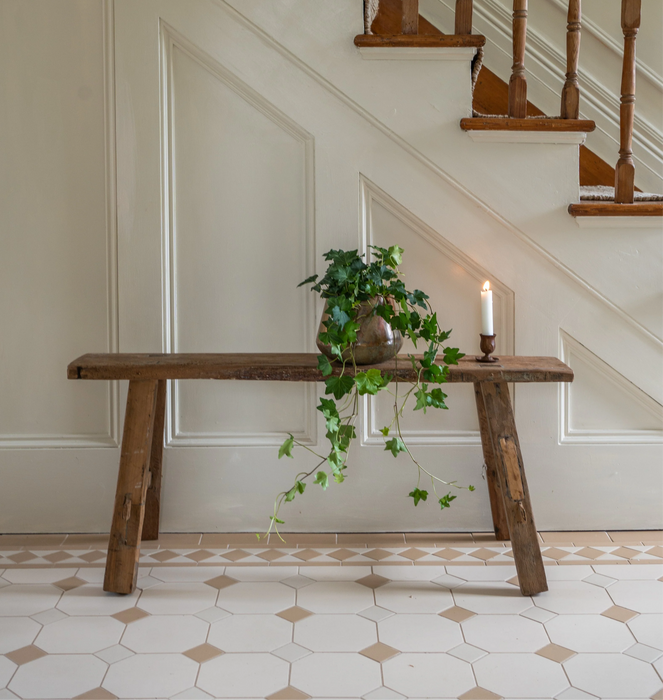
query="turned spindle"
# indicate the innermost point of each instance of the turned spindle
(625, 170)
(518, 81)
(463, 24)
(571, 91)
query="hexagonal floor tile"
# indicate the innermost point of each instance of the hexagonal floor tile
(91, 599)
(571, 597)
(151, 676)
(165, 633)
(250, 633)
(589, 633)
(59, 676)
(336, 675)
(504, 633)
(520, 675)
(17, 632)
(423, 633)
(335, 633)
(612, 676)
(648, 629)
(243, 675)
(256, 597)
(80, 635)
(641, 596)
(423, 675)
(185, 598)
(27, 599)
(413, 597)
(7, 669)
(491, 597)
(335, 597)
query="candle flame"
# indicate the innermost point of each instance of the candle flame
(486, 286)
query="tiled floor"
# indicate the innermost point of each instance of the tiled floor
(376, 617)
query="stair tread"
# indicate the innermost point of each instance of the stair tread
(612, 209)
(497, 123)
(420, 40)
(603, 193)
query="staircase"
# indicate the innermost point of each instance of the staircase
(395, 26)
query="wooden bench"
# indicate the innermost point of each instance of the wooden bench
(136, 511)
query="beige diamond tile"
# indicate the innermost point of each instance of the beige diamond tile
(620, 614)
(57, 557)
(484, 554)
(203, 652)
(373, 581)
(479, 694)
(306, 554)
(288, 693)
(658, 696)
(625, 552)
(164, 555)
(448, 554)
(221, 582)
(554, 553)
(236, 555)
(514, 581)
(294, 614)
(378, 554)
(200, 555)
(91, 557)
(342, 554)
(589, 553)
(457, 614)
(271, 554)
(412, 554)
(68, 583)
(130, 615)
(25, 654)
(655, 551)
(554, 652)
(22, 557)
(97, 694)
(379, 652)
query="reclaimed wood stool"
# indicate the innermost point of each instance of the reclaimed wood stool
(137, 500)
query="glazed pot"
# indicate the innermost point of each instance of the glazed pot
(376, 340)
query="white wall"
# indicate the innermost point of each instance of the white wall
(249, 138)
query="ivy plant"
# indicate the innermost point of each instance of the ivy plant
(349, 281)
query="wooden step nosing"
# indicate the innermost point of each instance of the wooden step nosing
(534, 125)
(611, 215)
(420, 40)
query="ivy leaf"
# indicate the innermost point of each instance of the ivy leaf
(395, 255)
(471, 488)
(437, 397)
(274, 519)
(452, 355)
(369, 382)
(422, 399)
(297, 488)
(395, 445)
(286, 448)
(445, 501)
(385, 431)
(339, 386)
(308, 280)
(418, 495)
(322, 479)
(324, 365)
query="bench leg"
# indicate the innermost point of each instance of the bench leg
(492, 476)
(509, 463)
(153, 500)
(124, 545)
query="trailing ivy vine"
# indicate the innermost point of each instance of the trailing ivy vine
(348, 282)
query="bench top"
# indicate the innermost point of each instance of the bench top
(299, 367)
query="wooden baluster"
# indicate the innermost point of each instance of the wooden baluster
(518, 81)
(625, 170)
(410, 22)
(463, 17)
(571, 91)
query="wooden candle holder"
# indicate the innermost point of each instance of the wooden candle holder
(487, 348)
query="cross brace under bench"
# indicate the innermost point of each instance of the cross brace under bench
(137, 500)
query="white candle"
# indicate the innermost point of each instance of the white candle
(487, 310)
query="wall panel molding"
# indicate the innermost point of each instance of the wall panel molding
(635, 405)
(176, 436)
(504, 327)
